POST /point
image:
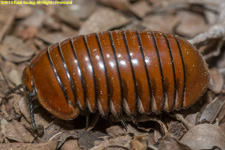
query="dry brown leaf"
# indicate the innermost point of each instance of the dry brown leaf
(103, 19)
(191, 119)
(51, 38)
(2, 137)
(59, 25)
(115, 131)
(52, 24)
(120, 142)
(50, 132)
(68, 31)
(170, 143)
(222, 126)
(39, 43)
(23, 104)
(30, 43)
(71, 144)
(67, 16)
(14, 77)
(82, 8)
(177, 129)
(140, 8)
(7, 15)
(8, 108)
(51, 145)
(157, 136)
(40, 116)
(87, 138)
(221, 114)
(28, 33)
(3, 80)
(7, 53)
(190, 24)
(155, 23)
(36, 19)
(212, 110)
(204, 136)
(15, 131)
(216, 80)
(16, 107)
(146, 119)
(134, 131)
(162, 2)
(15, 50)
(123, 5)
(151, 139)
(23, 11)
(210, 16)
(135, 25)
(221, 63)
(139, 143)
(64, 136)
(216, 31)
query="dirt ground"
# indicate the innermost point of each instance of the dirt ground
(27, 29)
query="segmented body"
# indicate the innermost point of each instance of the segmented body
(115, 72)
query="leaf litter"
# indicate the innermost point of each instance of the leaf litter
(25, 30)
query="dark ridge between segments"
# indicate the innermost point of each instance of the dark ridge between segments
(81, 76)
(106, 73)
(67, 71)
(148, 76)
(161, 71)
(174, 73)
(117, 67)
(57, 76)
(132, 68)
(181, 55)
(94, 77)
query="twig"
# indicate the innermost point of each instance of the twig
(181, 118)
(217, 31)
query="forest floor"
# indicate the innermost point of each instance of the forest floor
(27, 29)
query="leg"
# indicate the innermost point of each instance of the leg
(87, 120)
(31, 107)
(123, 122)
(93, 122)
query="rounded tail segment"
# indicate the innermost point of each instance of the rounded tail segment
(196, 73)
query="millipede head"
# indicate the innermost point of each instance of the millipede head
(28, 83)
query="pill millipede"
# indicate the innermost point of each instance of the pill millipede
(116, 72)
